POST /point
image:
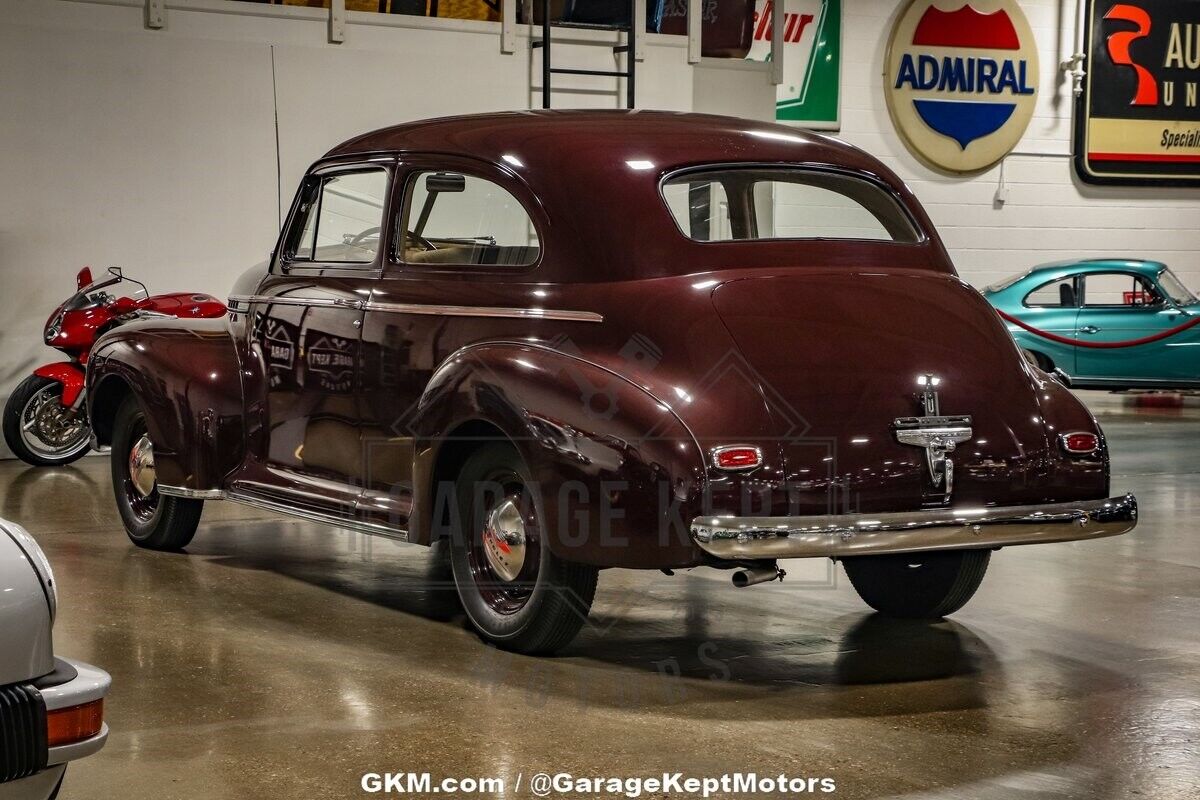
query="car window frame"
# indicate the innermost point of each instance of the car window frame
(411, 167)
(923, 237)
(284, 263)
(1076, 284)
(1081, 293)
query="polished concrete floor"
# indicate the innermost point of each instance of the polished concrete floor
(280, 659)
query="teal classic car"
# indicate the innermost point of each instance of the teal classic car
(1108, 323)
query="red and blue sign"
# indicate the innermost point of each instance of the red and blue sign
(962, 80)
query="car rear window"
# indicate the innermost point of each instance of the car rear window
(739, 204)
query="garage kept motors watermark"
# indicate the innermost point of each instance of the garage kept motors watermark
(961, 80)
(566, 784)
(1138, 118)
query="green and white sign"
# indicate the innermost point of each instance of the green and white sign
(810, 95)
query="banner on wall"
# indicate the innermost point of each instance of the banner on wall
(961, 80)
(1138, 119)
(810, 94)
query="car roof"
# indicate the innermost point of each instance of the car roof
(664, 138)
(593, 179)
(1138, 265)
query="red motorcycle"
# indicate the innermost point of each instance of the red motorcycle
(45, 419)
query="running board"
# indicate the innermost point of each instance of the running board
(266, 504)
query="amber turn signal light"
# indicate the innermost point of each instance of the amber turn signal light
(737, 457)
(1079, 443)
(74, 724)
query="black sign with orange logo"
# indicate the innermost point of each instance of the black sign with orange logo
(1138, 119)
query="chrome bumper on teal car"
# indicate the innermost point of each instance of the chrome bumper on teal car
(844, 535)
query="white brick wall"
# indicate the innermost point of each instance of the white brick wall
(1049, 214)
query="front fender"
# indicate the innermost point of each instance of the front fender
(69, 373)
(186, 375)
(616, 472)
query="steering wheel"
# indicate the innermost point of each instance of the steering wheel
(368, 232)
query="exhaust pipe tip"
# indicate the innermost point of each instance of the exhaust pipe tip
(749, 576)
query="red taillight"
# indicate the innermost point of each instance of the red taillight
(1080, 443)
(74, 724)
(737, 456)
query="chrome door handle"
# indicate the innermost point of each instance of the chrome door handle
(1089, 329)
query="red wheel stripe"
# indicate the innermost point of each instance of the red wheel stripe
(1054, 337)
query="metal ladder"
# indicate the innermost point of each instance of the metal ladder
(548, 69)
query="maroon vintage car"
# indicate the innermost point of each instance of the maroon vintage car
(554, 342)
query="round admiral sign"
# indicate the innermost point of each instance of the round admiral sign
(961, 80)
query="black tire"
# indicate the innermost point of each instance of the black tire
(153, 521)
(542, 607)
(918, 585)
(26, 390)
(1039, 360)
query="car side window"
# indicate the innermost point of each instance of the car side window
(340, 217)
(1055, 294)
(454, 219)
(784, 203)
(1118, 290)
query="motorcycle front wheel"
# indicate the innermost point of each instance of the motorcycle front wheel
(39, 429)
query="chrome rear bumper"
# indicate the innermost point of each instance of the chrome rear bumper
(842, 535)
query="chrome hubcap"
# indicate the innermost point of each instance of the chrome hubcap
(504, 540)
(141, 466)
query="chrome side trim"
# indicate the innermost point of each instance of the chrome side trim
(485, 311)
(1084, 382)
(266, 504)
(191, 494)
(844, 535)
(285, 300)
(236, 300)
(283, 508)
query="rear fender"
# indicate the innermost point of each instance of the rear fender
(616, 480)
(186, 375)
(1086, 476)
(68, 373)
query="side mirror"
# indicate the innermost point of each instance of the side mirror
(83, 278)
(123, 305)
(115, 272)
(445, 182)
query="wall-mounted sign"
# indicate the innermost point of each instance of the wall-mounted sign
(961, 80)
(812, 60)
(1138, 119)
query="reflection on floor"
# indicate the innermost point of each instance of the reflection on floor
(280, 659)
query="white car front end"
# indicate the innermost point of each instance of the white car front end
(51, 709)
